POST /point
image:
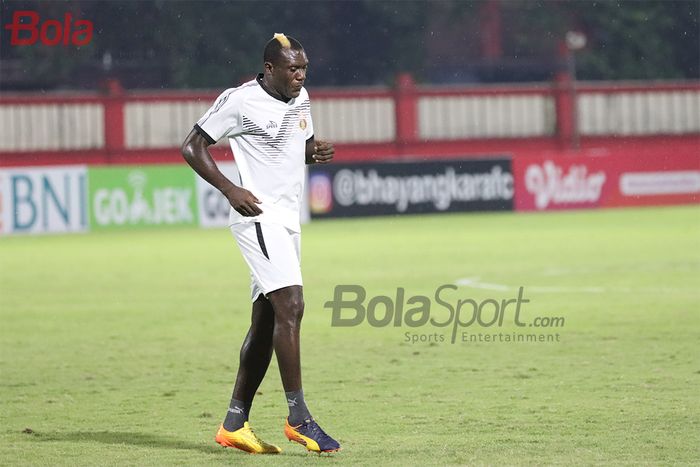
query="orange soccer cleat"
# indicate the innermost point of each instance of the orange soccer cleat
(246, 440)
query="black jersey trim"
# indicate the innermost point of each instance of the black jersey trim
(204, 134)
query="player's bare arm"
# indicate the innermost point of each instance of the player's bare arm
(196, 153)
(320, 152)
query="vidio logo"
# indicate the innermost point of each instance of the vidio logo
(50, 32)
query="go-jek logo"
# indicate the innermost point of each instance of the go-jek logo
(27, 28)
(163, 205)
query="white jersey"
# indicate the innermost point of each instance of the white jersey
(268, 139)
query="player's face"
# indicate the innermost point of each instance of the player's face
(289, 74)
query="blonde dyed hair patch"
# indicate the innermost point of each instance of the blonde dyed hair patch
(282, 39)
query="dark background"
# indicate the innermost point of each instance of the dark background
(214, 44)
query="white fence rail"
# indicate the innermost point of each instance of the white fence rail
(56, 124)
(51, 127)
(507, 116)
(639, 113)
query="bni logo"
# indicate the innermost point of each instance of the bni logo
(43, 200)
(27, 27)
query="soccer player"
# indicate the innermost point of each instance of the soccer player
(268, 124)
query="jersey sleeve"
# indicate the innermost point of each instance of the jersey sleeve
(222, 119)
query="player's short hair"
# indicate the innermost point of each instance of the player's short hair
(274, 47)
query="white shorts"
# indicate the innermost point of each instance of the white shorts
(273, 254)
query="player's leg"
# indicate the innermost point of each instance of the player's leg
(288, 304)
(273, 254)
(255, 356)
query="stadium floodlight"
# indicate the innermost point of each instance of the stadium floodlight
(575, 40)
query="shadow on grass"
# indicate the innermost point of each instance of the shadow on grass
(143, 440)
(128, 438)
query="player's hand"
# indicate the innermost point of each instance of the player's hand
(323, 152)
(243, 201)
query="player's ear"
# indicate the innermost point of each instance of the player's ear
(269, 67)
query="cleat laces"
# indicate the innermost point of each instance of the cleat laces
(317, 433)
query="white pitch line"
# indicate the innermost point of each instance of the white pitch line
(567, 289)
(475, 283)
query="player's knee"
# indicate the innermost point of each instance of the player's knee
(295, 310)
(291, 313)
(289, 307)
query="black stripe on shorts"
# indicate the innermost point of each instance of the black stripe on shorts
(261, 239)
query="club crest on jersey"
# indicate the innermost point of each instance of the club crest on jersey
(302, 123)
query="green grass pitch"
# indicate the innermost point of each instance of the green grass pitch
(121, 348)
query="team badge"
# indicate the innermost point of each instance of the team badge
(302, 124)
